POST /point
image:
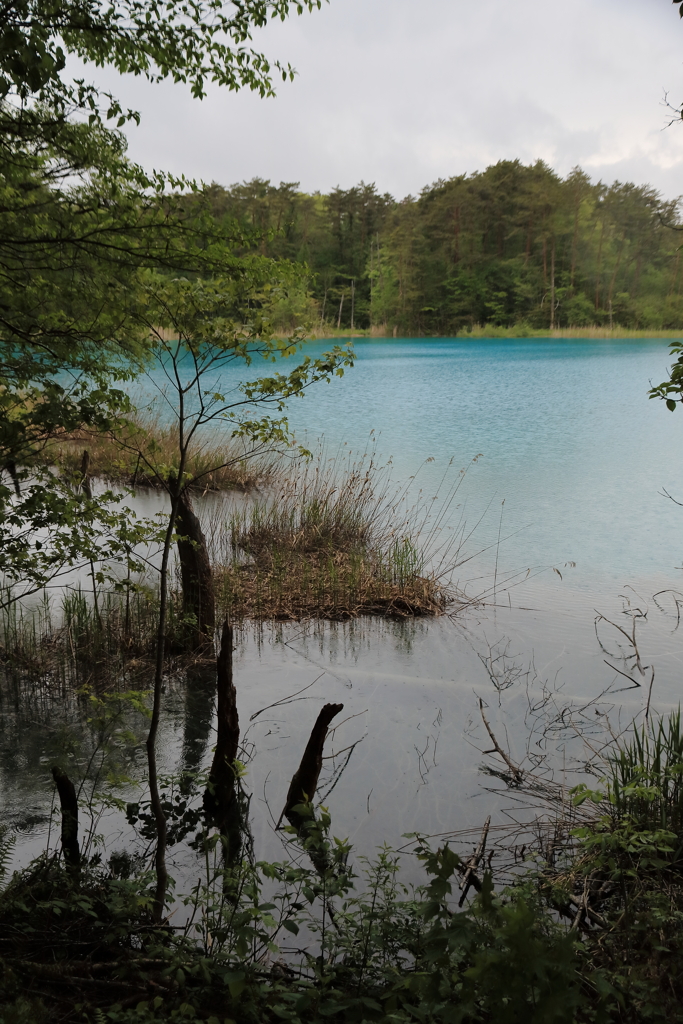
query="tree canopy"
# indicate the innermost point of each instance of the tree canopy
(82, 227)
(512, 244)
(190, 43)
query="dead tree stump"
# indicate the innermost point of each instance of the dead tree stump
(196, 577)
(69, 808)
(220, 800)
(86, 485)
(305, 779)
(303, 786)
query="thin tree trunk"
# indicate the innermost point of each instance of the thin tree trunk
(676, 268)
(85, 474)
(636, 276)
(456, 218)
(154, 795)
(86, 487)
(597, 271)
(616, 271)
(552, 287)
(575, 241)
(341, 306)
(379, 265)
(372, 280)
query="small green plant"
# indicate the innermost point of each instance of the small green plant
(641, 804)
(626, 869)
(290, 942)
(646, 777)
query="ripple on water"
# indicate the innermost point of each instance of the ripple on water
(32, 823)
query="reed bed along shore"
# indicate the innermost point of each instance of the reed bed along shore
(596, 332)
(144, 450)
(70, 642)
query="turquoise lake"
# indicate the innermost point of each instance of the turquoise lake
(567, 436)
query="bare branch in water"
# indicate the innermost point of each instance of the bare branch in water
(517, 773)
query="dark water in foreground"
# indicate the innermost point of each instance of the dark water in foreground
(579, 455)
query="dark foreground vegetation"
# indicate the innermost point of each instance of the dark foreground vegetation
(511, 246)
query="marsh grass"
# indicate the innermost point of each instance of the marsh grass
(645, 779)
(77, 644)
(518, 330)
(142, 453)
(595, 332)
(336, 540)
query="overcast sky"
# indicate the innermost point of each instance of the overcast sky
(402, 92)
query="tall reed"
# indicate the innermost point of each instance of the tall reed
(77, 644)
(336, 539)
(646, 775)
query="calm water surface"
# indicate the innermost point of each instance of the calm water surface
(578, 454)
(567, 434)
(567, 437)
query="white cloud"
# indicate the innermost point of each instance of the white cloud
(402, 93)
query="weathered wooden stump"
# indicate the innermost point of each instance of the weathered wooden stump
(196, 577)
(221, 805)
(69, 808)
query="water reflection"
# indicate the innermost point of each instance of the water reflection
(411, 750)
(198, 716)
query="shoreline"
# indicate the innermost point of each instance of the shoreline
(483, 333)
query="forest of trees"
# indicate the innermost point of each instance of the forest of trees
(511, 245)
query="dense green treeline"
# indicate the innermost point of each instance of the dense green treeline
(509, 245)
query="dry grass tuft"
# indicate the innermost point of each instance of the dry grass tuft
(333, 542)
(336, 587)
(142, 454)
